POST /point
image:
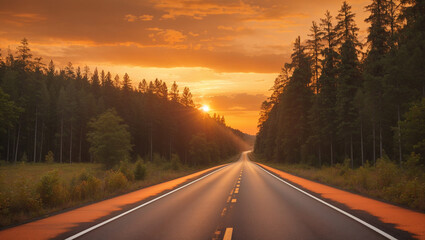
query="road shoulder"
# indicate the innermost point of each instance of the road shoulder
(401, 218)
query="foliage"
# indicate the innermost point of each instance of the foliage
(115, 181)
(109, 139)
(413, 129)
(140, 170)
(51, 190)
(356, 103)
(49, 158)
(126, 169)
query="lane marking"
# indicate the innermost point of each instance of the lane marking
(228, 199)
(223, 212)
(228, 234)
(233, 200)
(142, 205)
(237, 190)
(333, 207)
(237, 185)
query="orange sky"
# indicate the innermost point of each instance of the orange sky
(227, 51)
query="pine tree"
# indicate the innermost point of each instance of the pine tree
(349, 76)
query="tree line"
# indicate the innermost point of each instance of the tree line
(340, 99)
(46, 109)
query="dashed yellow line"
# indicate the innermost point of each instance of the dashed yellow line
(228, 199)
(233, 200)
(237, 185)
(236, 190)
(223, 212)
(228, 234)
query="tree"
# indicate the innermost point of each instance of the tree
(349, 76)
(174, 93)
(315, 46)
(413, 129)
(109, 138)
(9, 112)
(186, 98)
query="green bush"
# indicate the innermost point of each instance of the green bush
(49, 158)
(140, 170)
(125, 168)
(86, 187)
(175, 162)
(51, 190)
(387, 172)
(115, 181)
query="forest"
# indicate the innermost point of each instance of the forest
(342, 100)
(46, 111)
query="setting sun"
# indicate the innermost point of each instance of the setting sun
(205, 108)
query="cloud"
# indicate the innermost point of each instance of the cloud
(133, 18)
(236, 102)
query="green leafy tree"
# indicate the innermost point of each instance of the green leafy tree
(109, 138)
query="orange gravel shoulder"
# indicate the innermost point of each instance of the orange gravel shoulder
(53, 226)
(404, 219)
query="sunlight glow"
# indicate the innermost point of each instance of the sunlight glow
(205, 108)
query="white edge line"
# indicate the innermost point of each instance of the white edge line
(333, 207)
(140, 206)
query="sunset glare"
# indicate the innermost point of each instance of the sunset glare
(205, 108)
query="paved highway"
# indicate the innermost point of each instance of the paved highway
(239, 201)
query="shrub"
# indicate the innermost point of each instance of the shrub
(115, 181)
(175, 162)
(125, 168)
(52, 192)
(87, 186)
(387, 172)
(140, 170)
(24, 158)
(23, 198)
(49, 158)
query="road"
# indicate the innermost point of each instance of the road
(240, 201)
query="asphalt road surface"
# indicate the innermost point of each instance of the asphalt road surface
(239, 201)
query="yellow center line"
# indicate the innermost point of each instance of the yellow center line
(233, 200)
(223, 212)
(237, 185)
(228, 234)
(228, 199)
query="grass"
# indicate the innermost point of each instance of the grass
(31, 190)
(386, 181)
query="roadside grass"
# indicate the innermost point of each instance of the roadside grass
(385, 181)
(31, 190)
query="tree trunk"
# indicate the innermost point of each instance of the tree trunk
(8, 145)
(361, 141)
(70, 146)
(374, 147)
(380, 141)
(35, 135)
(41, 142)
(351, 151)
(17, 143)
(332, 154)
(320, 156)
(61, 139)
(399, 135)
(81, 140)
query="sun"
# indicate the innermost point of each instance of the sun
(205, 108)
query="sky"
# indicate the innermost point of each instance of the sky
(228, 52)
